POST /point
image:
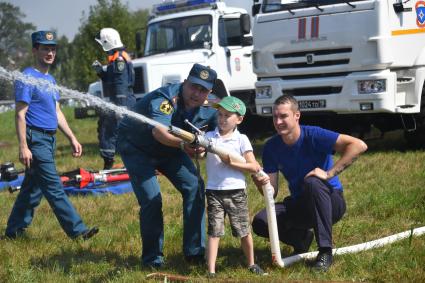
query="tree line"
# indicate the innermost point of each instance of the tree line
(72, 67)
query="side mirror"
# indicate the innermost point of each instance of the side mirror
(138, 42)
(256, 9)
(247, 41)
(399, 8)
(245, 22)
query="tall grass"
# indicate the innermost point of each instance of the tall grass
(384, 189)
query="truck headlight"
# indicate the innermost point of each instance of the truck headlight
(263, 92)
(371, 86)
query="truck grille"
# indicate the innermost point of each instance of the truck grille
(313, 91)
(313, 58)
(139, 83)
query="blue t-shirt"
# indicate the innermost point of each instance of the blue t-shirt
(313, 149)
(41, 99)
(165, 106)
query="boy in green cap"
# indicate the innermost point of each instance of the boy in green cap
(226, 186)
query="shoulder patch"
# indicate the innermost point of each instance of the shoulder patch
(166, 107)
(120, 65)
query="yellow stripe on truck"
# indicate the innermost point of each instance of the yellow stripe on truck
(408, 31)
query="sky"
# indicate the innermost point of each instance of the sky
(65, 15)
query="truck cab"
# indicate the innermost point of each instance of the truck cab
(181, 33)
(350, 64)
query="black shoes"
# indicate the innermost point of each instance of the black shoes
(195, 259)
(108, 163)
(89, 233)
(323, 261)
(305, 244)
(17, 234)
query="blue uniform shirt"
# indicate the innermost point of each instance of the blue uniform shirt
(118, 80)
(313, 149)
(41, 100)
(164, 105)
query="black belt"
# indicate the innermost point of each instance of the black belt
(47, 132)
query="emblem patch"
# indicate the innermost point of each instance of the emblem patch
(420, 14)
(204, 75)
(166, 107)
(49, 36)
(120, 66)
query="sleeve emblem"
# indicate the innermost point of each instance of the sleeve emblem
(166, 107)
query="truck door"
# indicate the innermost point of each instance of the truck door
(237, 48)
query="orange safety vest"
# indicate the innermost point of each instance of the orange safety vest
(112, 58)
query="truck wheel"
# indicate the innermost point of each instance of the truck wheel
(416, 139)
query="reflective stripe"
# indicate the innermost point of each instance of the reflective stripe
(408, 31)
(122, 53)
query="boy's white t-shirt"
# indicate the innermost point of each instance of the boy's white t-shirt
(220, 175)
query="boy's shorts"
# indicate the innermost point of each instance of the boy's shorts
(233, 203)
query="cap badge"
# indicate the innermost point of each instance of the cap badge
(236, 106)
(49, 36)
(204, 74)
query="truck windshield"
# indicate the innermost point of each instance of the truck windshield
(178, 34)
(269, 6)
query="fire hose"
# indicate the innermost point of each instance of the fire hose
(268, 192)
(267, 189)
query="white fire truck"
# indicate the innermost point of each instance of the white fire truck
(351, 64)
(181, 33)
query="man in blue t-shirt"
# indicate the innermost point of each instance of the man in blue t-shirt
(303, 154)
(145, 148)
(38, 115)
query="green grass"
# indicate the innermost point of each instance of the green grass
(384, 189)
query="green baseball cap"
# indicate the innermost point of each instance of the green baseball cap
(232, 104)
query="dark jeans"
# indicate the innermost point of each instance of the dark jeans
(319, 207)
(181, 172)
(42, 179)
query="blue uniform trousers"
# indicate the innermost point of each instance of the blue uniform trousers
(181, 172)
(318, 207)
(42, 179)
(107, 134)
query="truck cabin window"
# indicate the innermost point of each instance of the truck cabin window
(230, 32)
(178, 34)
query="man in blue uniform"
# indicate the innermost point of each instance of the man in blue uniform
(38, 115)
(303, 154)
(144, 149)
(117, 83)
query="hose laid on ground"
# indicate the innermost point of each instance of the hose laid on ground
(357, 248)
(202, 141)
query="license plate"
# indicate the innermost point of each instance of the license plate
(312, 104)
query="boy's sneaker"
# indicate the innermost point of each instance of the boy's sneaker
(211, 275)
(257, 270)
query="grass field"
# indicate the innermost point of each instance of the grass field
(384, 190)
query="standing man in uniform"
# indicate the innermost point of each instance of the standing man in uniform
(144, 148)
(303, 154)
(38, 115)
(117, 82)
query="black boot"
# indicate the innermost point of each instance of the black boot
(108, 163)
